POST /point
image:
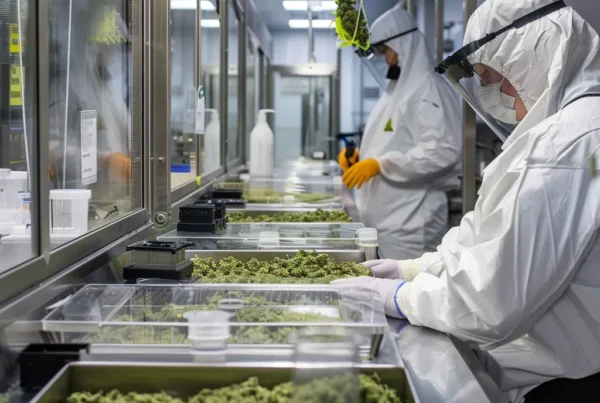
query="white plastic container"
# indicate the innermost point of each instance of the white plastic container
(212, 142)
(208, 330)
(261, 147)
(69, 211)
(15, 183)
(4, 174)
(366, 240)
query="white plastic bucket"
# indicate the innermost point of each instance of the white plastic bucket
(69, 210)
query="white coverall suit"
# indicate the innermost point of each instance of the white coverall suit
(407, 203)
(520, 276)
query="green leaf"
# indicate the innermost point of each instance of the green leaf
(388, 126)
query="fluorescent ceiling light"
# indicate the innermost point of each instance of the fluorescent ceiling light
(191, 5)
(303, 24)
(302, 5)
(210, 24)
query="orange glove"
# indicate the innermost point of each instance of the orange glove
(346, 162)
(361, 172)
(120, 164)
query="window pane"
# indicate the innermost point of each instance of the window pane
(90, 147)
(233, 147)
(210, 59)
(17, 128)
(184, 143)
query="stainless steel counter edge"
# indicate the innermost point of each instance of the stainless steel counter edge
(443, 369)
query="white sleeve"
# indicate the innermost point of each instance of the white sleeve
(430, 262)
(437, 150)
(510, 260)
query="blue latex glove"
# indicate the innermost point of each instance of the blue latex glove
(385, 287)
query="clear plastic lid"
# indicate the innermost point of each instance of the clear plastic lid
(285, 244)
(174, 314)
(285, 230)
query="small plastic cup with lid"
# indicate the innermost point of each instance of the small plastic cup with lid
(366, 239)
(268, 240)
(69, 210)
(208, 330)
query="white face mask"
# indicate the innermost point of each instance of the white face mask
(497, 103)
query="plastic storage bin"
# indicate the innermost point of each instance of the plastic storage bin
(257, 313)
(69, 210)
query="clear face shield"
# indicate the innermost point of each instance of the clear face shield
(487, 91)
(374, 59)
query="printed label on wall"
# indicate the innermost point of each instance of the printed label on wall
(200, 111)
(89, 147)
(16, 96)
(15, 43)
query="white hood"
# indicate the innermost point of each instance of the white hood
(564, 63)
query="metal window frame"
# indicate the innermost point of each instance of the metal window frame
(48, 263)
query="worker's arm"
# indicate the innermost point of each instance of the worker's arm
(511, 259)
(435, 123)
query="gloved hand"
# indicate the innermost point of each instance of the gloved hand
(386, 288)
(361, 172)
(347, 161)
(120, 164)
(386, 268)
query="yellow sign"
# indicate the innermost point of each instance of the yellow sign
(16, 97)
(15, 43)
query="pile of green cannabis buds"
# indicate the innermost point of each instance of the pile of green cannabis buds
(331, 390)
(307, 267)
(308, 217)
(350, 16)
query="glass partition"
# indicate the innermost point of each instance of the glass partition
(184, 143)
(251, 96)
(90, 133)
(17, 129)
(233, 135)
(210, 78)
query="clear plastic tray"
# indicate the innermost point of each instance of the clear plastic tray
(288, 189)
(258, 314)
(286, 230)
(285, 244)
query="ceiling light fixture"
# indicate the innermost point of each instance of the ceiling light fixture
(297, 5)
(210, 23)
(303, 24)
(191, 5)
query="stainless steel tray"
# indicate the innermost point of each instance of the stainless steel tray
(183, 380)
(340, 256)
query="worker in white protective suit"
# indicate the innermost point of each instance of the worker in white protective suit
(520, 277)
(411, 146)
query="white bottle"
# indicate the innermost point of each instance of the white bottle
(261, 147)
(212, 143)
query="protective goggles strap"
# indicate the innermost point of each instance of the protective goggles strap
(472, 47)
